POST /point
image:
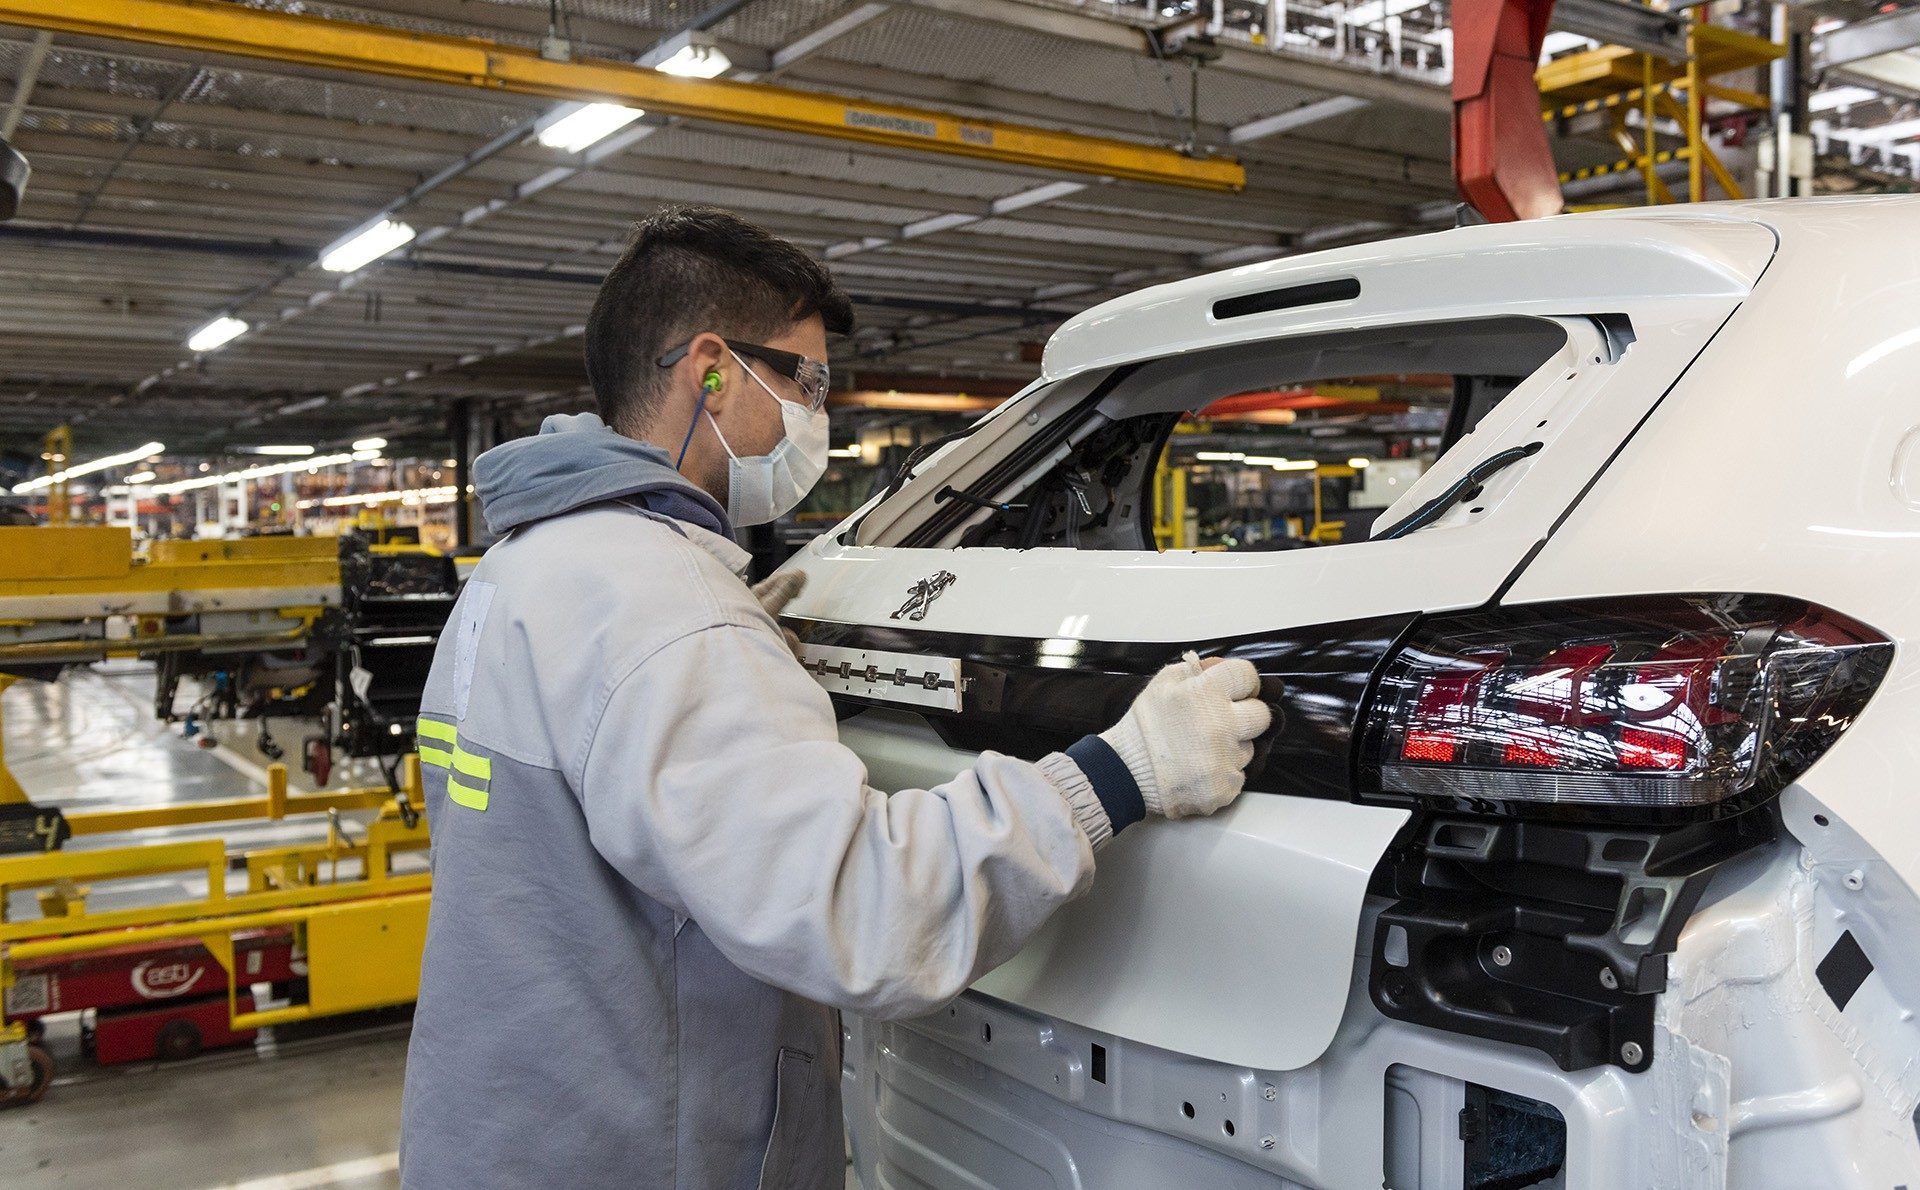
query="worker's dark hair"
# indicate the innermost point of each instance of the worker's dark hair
(688, 270)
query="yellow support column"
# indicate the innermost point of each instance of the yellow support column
(1696, 102)
(58, 447)
(10, 791)
(1646, 129)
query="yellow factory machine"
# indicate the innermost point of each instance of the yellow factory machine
(261, 937)
(339, 628)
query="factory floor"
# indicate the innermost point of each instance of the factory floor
(302, 1109)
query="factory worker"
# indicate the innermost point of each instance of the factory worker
(657, 873)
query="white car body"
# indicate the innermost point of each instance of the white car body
(1732, 406)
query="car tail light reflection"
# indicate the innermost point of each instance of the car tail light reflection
(1658, 702)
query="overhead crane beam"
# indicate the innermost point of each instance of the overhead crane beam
(221, 27)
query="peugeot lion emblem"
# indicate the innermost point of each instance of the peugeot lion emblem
(920, 596)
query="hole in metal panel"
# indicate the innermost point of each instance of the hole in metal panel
(1098, 1066)
(1395, 950)
(1625, 851)
(1460, 836)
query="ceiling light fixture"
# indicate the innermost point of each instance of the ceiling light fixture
(138, 478)
(365, 246)
(99, 464)
(588, 124)
(370, 444)
(1840, 97)
(262, 471)
(696, 60)
(216, 334)
(439, 495)
(281, 449)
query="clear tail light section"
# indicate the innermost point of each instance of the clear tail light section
(1669, 706)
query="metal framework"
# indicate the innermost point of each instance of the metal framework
(171, 186)
(1614, 80)
(222, 27)
(359, 924)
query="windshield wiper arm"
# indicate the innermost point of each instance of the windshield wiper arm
(1466, 487)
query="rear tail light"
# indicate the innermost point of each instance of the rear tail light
(1695, 703)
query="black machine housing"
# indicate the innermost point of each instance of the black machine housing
(393, 608)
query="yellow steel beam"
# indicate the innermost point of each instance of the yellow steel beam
(1608, 70)
(1623, 165)
(104, 822)
(221, 27)
(182, 915)
(400, 890)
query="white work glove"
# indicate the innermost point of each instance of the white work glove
(774, 593)
(1189, 735)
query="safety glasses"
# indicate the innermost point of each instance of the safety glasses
(812, 375)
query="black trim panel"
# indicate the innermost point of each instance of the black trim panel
(1028, 697)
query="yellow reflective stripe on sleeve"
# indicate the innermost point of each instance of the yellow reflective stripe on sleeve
(473, 766)
(439, 756)
(433, 729)
(466, 795)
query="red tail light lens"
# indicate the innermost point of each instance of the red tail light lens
(1662, 703)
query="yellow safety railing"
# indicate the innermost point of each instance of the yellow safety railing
(361, 935)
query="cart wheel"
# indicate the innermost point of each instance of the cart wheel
(177, 1039)
(35, 1090)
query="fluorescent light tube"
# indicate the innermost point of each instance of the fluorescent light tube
(695, 61)
(365, 246)
(99, 464)
(586, 126)
(1840, 97)
(218, 333)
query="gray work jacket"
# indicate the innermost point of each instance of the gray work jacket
(657, 873)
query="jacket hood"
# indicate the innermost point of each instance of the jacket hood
(577, 460)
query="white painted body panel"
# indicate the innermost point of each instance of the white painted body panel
(1784, 459)
(1785, 463)
(1260, 885)
(1174, 906)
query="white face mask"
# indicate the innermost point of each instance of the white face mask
(763, 488)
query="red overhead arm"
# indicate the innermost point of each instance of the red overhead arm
(1501, 160)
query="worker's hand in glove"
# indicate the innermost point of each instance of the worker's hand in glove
(1189, 735)
(774, 593)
